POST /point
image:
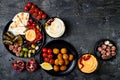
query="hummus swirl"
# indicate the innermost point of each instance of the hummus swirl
(56, 29)
(89, 65)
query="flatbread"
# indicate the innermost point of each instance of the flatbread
(22, 17)
(16, 30)
(19, 22)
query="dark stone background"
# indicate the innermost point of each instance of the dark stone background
(87, 21)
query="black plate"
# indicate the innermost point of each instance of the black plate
(99, 43)
(60, 44)
(39, 44)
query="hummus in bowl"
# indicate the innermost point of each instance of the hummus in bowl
(87, 63)
(55, 27)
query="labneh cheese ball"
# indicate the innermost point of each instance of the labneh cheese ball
(107, 50)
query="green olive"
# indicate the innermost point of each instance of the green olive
(29, 55)
(33, 46)
(33, 51)
(36, 48)
(25, 55)
(30, 51)
(21, 53)
(25, 49)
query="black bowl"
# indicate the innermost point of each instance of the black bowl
(61, 44)
(96, 70)
(99, 43)
(40, 44)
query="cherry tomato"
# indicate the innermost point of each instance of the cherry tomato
(38, 17)
(29, 26)
(46, 59)
(50, 56)
(40, 12)
(40, 36)
(33, 6)
(44, 16)
(29, 4)
(49, 50)
(44, 50)
(34, 24)
(28, 23)
(44, 55)
(36, 10)
(26, 8)
(34, 14)
(31, 20)
(31, 11)
(51, 61)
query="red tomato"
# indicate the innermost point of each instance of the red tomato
(29, 4)
(28, 23)
(33, 6)
(46, 59)
(36, 10)
(44, 50)
(44, 55)
(38, 17)
(31, 11)
(26, 8)
(31, 20)
(50, 56)
(49, 50)
(40, 36)
(40, 12)
(34, 14)
(34, 24)
(51, 61)
(44, 16)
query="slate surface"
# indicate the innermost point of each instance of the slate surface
(87, 21)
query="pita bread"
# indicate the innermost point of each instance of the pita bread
(16, 30)
(22, 17)
(19, 22)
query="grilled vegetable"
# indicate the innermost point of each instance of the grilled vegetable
(10, 35)
(7, 42)
(18, 39)
(6, 37)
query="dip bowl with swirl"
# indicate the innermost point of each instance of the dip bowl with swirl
(88, 63)
(55, 27)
